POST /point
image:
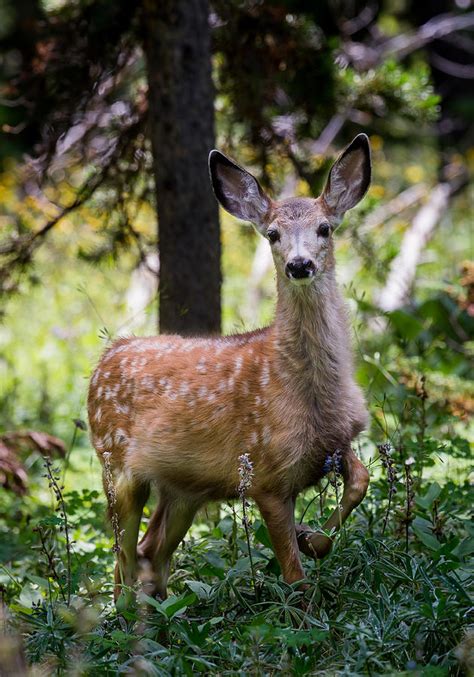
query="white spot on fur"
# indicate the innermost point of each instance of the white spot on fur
(122, 409)
(201, 366)
(265, 375)
(98, 415)
(202, 392)
(95, 378)
(238, 365)
(253, 438)
(148, 382)
(184, 388)
(111, 393)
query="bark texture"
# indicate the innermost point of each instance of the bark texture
(181, 100)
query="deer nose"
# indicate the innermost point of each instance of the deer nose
(299, 268)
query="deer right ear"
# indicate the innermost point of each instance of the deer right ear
(349, 178)
(237, 190)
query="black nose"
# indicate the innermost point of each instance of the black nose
(299, 268)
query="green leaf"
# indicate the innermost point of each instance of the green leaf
(465, 548)
(427, 539)
(202, 590)
(431, 495)
(42, 582)
(262, 535)
(215, 560)
(408, 326)
(151, 601)
(176, 605)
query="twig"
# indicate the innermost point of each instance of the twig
(58, 492)
(364, 57)
(409, 500)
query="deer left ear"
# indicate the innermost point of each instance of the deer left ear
(349, 178)
(237, 190)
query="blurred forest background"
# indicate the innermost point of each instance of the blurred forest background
(108, 226)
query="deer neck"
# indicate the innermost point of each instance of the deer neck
(312, 346)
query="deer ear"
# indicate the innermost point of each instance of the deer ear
(349, 177)
(237, 190)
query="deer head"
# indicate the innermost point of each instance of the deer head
(299, 229)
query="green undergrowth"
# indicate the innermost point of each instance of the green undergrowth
(392, 598)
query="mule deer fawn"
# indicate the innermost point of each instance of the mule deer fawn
(178, 412)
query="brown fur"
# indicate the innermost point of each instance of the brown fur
(178, 412)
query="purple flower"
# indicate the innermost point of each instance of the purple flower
(333, 463)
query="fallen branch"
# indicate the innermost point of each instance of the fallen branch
(407, 198)
(402, 271)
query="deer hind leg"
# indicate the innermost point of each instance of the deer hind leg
(131, 497)
(356, 481)
(279, 516)
(167, 528)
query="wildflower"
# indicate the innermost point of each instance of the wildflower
(245, 474)
(333, 463)
(109, 480)
(385, 453)
(112, 500)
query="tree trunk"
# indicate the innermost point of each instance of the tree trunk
(181, 101)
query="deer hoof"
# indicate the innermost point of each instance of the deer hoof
(311, 543)
(320, 545)
(303, 534)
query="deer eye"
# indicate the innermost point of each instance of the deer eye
(273, 235)
(324, 229)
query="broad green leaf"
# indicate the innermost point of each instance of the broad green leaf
(428, 539)
(431, 495)
(202, 590)
(175, 605)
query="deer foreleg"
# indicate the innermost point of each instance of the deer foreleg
(356, 481)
